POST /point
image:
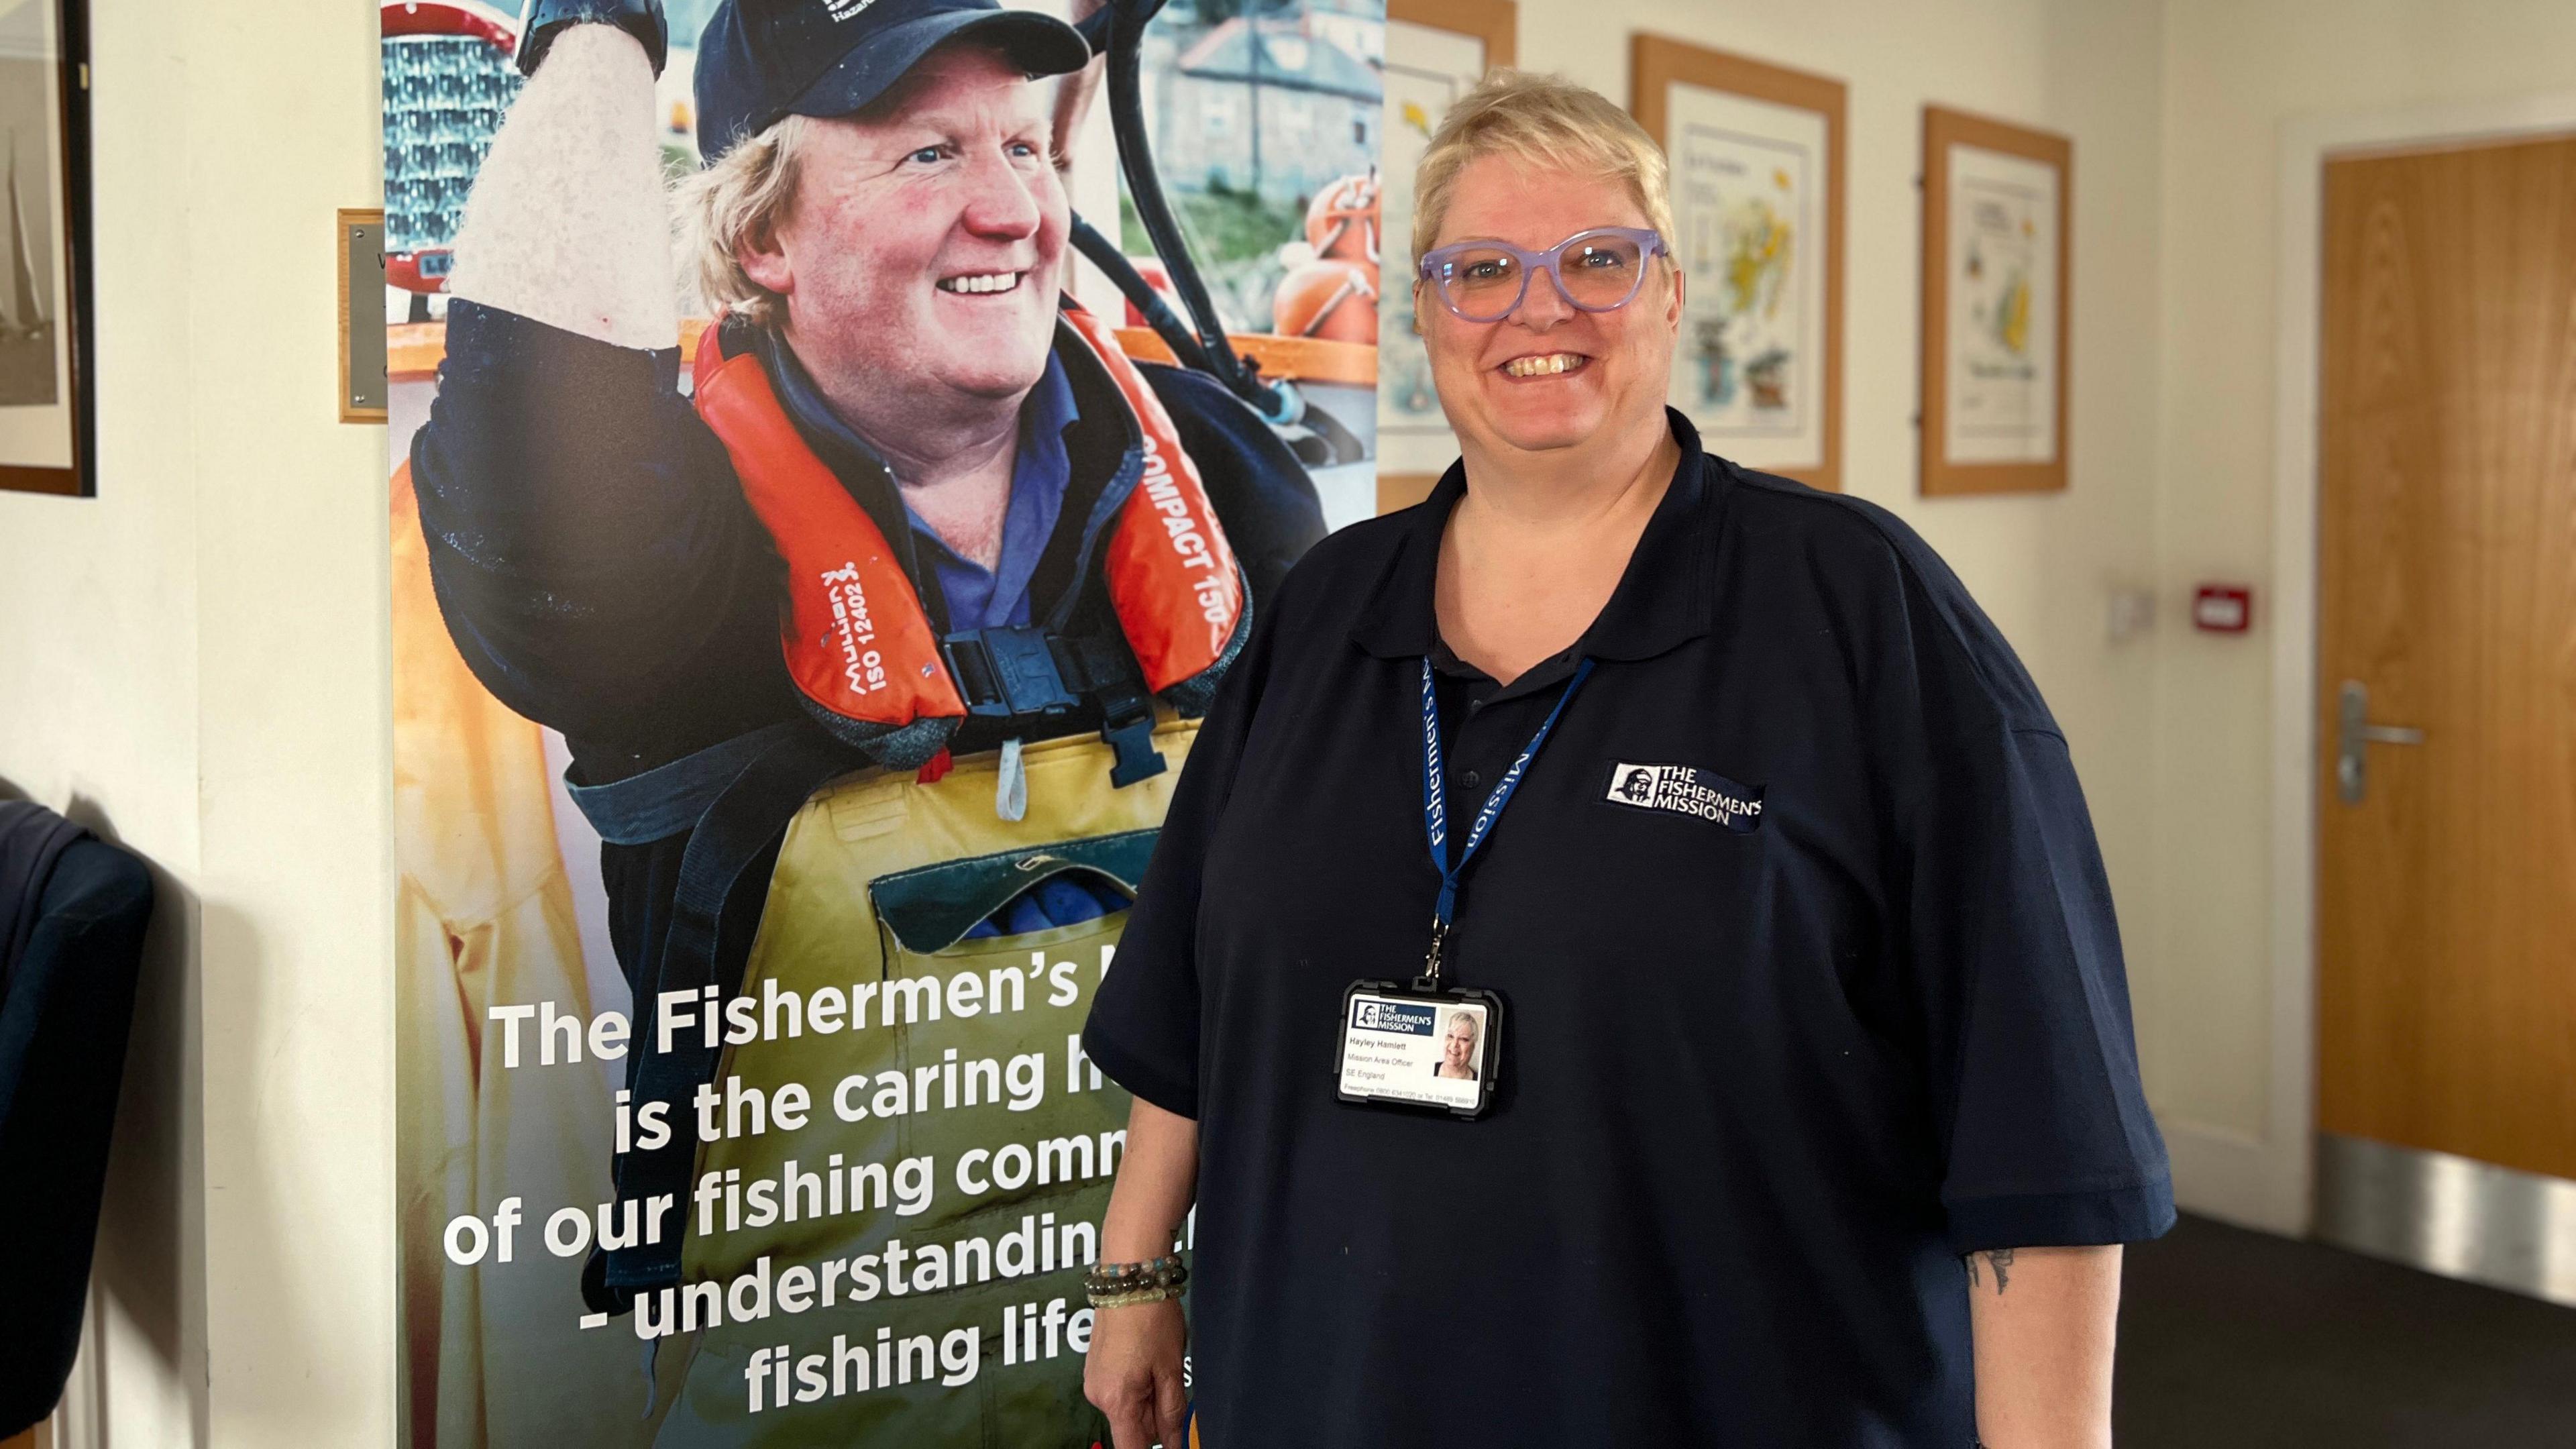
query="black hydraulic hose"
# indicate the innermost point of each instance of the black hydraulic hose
(1095, 29)
(1140, 293)
(1145, 190)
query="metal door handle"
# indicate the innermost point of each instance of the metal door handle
(2353, 731)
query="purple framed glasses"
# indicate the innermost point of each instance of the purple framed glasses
(1598, 271)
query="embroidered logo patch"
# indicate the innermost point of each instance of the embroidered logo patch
(1686, 790)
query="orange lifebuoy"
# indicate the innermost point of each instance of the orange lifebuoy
(1327, 298)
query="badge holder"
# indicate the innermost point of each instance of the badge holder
(1404, 1044)
(1426, 1045)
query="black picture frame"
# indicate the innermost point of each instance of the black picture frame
(71, 223)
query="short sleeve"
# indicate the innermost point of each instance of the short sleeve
(1144, 1025)
(2034, 1059)
(2013, 953)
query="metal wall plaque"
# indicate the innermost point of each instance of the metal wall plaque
(362, 320)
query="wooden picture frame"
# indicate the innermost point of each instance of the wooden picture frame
(1758, 171)
(1997, 296)
(48, 417)
(1411, 430)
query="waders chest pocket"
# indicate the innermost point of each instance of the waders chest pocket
(931, 908)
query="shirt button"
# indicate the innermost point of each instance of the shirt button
(1474, 779)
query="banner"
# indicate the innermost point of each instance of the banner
(814, 539)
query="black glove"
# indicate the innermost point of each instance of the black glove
(543, 20)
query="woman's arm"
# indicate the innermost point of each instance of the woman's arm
(1134, 1370)
(2043, 1321)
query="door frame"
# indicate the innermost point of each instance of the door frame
(2271, 1182)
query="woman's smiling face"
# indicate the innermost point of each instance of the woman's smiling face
(1549, 375)
(1458, 1044)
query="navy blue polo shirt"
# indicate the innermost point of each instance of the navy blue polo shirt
(1766, 1074)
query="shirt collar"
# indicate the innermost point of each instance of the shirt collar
(802, 399)
(1040, 479)
(1041, 465)
(1664, 598)
(1048, 410)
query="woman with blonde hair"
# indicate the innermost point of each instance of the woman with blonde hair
(1763, 860)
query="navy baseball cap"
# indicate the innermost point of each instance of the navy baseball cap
(762, 60)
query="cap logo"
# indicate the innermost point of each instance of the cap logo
(846, 9)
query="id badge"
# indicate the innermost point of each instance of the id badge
(1404, 1046)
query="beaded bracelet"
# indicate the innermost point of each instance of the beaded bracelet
(1121, 1285)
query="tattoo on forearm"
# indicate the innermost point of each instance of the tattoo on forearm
(2000, 1260)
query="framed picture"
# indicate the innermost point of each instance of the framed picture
(1757, 185)
(45, 418)
(1436, 50)
(1994, 306)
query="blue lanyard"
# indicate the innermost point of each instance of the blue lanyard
(1435, 807)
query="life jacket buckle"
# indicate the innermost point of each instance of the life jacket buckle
(1020, 672)
(1008, 672)
(1131, 745)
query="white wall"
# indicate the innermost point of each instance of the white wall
(98, 717)
(196, 662)
(2235, 70)
(295, 780)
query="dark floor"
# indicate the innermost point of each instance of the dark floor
(2231, 1338)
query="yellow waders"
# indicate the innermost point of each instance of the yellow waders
(878, 879)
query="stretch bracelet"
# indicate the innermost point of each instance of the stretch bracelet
(1120, 1285)
(1134, 1299)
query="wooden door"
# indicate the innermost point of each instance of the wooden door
(2447, 589)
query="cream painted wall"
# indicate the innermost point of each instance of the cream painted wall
(2235, 70)
(295, 779)
(196, 661)
(98, 718)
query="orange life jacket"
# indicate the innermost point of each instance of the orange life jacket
(872, 670)
(862, 651)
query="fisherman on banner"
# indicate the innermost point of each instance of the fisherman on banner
(882, 640)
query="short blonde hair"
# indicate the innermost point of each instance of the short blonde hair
(1548, 121)
(738, 202)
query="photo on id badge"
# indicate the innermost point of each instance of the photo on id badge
(1418, 1049)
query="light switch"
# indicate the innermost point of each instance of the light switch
(2129, 612)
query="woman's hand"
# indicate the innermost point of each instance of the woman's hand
(1134, 1371)
(1133, 1374)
